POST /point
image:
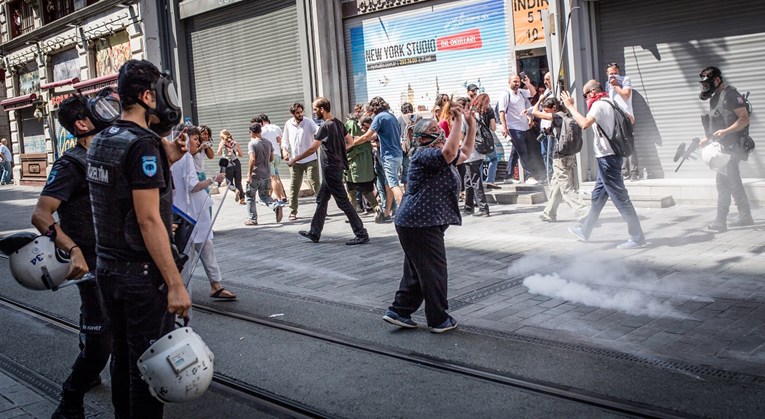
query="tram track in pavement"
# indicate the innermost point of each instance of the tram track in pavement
(221, 383)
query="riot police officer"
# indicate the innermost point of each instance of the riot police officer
(66, 192)
(727, 123)
(131, 195)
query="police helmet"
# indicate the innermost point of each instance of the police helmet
(178, 367)
(714, 157)
(36, 263)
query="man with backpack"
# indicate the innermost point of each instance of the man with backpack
(567, 142)
(727, 123)
(609, 183)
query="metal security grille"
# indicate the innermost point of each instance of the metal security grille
(244, 60)
(662, 46)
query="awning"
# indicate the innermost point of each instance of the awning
(46, 86)
(94, 85)
(18, 102)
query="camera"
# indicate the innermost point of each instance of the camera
(523, 75)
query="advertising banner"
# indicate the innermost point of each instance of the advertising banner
(527, 21)
(413, 56)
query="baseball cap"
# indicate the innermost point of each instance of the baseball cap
(472, 87)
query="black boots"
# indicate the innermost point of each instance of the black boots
(742, 221)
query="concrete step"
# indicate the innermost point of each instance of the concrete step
(646, 201)
(510, 197)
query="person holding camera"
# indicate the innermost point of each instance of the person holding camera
(619, 89)
(728, 124)
(230, 150)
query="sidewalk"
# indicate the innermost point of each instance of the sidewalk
(19, 399)
(691, 300)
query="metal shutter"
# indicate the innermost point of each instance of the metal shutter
(663, 46)
(244, 60)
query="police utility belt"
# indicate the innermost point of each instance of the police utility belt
(132, 268)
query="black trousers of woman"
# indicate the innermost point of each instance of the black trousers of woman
(425, 274)
(474, 192)
(234, 175)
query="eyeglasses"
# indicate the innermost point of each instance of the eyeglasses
(587, 93)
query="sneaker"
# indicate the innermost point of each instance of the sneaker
(379, 216)
(718, 227)
(279, 213)
(481, 214)
(250, 223)
(532, 181)
(634, 178)
(358, 240)
(578, 231)
(396, 319)
(309, 235)
(449, 324)
(742, 221)
(467, 211)
(547, 218)
(631, 244)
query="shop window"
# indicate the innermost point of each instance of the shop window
(111, 53)
(21, 17)
(66, 65)
(56, 9)
(29, 78)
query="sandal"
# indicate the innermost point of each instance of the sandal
(292, 217)
(223, 294)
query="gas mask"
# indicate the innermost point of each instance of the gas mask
(102, 110)
(708, 85)
(168, 109)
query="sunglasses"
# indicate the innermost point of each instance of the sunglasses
(587, 93)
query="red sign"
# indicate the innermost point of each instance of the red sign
(470, 39)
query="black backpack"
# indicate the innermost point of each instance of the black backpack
(569, 136)
(622, 140)
(484, 138)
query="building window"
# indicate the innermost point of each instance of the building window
(56, 9)
(21, 18)
(66, 65)
(111, 53)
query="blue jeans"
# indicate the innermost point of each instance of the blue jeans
(258, 189)
(548, 149)
(6, 172)
(610, 184)
(493, 163)
(518, 138)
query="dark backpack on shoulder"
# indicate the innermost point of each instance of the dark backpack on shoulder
(484, 140)
(622, 140)
(569, 136)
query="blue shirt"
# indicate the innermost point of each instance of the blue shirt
(6, 153)
(389, 132)
(432, 193)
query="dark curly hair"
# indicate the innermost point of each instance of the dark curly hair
(378, 104)
(135, 77)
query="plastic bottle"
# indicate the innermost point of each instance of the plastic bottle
(645, 173)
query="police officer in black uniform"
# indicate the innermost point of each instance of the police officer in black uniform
(727, 123)
(131, 194)
(66, 192)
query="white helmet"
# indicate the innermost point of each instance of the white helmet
(178, 367)
(714, 157)
(36, 263)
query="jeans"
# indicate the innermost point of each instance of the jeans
(5, 172)
(137, 311)
(474, 192)
(258, 188)
(332, 186)
(610, 184)
(425, 276)
(392, 169)
(234, 176)
(493, 163)
(380, 185)
(630, 167)
(730, 185)
(296, 180)
(527, 157)
(548, 150)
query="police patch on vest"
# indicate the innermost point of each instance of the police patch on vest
(149, 165)
(52, 176)
(100, 173)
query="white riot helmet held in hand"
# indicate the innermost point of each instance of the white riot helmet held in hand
(36, 263)
(714, 157)
(178, 367)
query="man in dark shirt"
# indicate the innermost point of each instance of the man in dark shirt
(333, 138)
(131, 196)
(66, 192)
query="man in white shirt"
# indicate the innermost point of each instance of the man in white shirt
(298, 133)
(609, 183)
(273, 134)
(513, 110)
(619, 90)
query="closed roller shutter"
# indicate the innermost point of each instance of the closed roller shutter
(244, 60)
(663, 46)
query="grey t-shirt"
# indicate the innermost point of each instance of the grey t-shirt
(263, 150)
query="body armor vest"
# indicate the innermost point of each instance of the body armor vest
(118, 235)
(76, 214)
(722, 116)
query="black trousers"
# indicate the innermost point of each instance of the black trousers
(474, 192)
(425, 275)
(137, 317)
(234, 176)
(332, 187)
(730, 185)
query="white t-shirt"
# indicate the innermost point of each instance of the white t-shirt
(299, 137)
(271, 132)
(195, 204)
(604, 118)
(513, 105)
(626, 105)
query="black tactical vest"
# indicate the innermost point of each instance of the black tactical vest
(721, 116)
(76, 214)
(118, 235)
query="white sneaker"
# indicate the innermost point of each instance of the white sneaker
(532, 181)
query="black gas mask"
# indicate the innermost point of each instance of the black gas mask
(708, 84)
(168, 109)
(102, 110)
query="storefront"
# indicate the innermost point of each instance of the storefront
(241, 59)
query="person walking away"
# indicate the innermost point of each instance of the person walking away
(298, 133)
(67, 193)
(565, 183)
(360, 176)
(334, 139)
(728, 124)
(273, 134)
(609, 182)
(430, 205)
(259, 177)
(131, 196)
